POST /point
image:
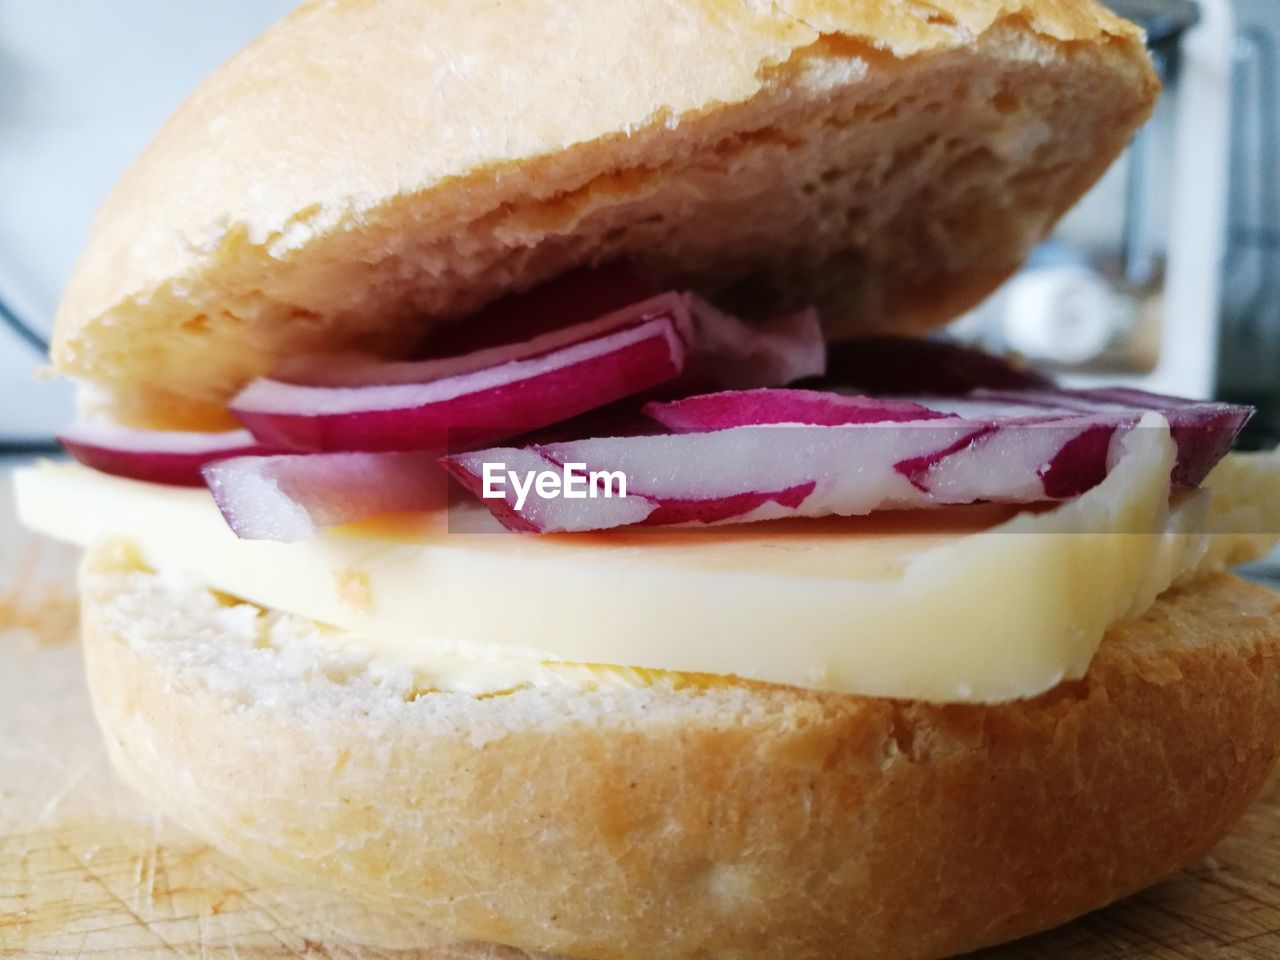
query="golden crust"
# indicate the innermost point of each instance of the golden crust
(740, 820)
(366, 168)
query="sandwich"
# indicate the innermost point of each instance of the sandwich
(520, 500)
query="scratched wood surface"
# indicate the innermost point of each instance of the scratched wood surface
(86, 870)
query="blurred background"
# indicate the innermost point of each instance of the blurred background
(84, 84)
(1166, 277)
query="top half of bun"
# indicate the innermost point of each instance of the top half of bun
(367, 168)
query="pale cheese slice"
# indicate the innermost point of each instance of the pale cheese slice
(954, 605)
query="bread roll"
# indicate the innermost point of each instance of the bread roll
(688, 819)
(365, 170)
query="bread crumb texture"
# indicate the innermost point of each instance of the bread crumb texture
(365, 170)
(683, 821)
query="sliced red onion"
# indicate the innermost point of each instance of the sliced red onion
(743, 473)
(1203, 431)
(507, 390)
(571, 308)
(517, 504)
(720, 411)
(674, 510)
(290, 497)
(889, 366)
(1001, 448)
(157, 456)
(735, 355)
(577, 296)
(470, 408)
(361, 370)
(577, 306)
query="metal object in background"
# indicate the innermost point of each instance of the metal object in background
(22, 346)
(1165, 22)
(20, 328)
(1249, 369)
(1141, 255)
(13, 327)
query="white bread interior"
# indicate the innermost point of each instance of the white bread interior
(367, 169)
(687, 819)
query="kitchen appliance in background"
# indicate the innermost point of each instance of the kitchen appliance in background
(1130, 287)
(1249, 354)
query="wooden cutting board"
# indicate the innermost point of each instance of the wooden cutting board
(86, 870)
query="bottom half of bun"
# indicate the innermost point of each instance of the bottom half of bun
(692, 817)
